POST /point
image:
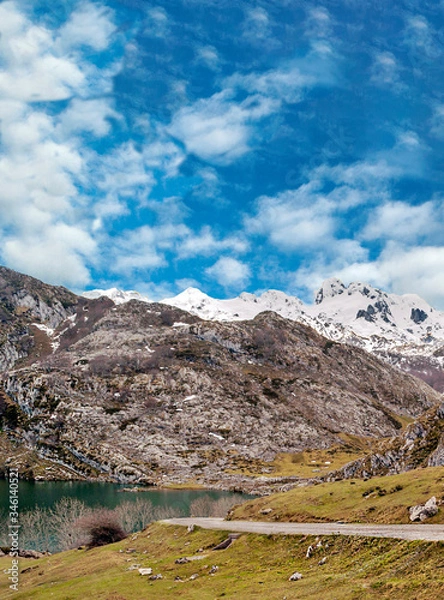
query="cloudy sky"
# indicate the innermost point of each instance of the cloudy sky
(229, 145)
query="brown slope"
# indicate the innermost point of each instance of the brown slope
(138, 397)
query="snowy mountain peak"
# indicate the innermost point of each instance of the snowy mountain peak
(116, 295)
(329, 289)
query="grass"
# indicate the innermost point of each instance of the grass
(312, 463)
(377, 500)
(306, 464)
(253, 567)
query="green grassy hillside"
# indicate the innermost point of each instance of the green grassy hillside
(377, 500)
(254, 566)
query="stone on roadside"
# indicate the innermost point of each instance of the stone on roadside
(421, 512)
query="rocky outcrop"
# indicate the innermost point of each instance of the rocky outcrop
(420, 445)
(422, 512)
(24, 301)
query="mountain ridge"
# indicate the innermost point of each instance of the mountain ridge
(404, 330)
(149, 393)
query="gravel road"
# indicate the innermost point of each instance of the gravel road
(404, 532)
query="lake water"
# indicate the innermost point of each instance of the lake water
(39, 529)
(45, 494)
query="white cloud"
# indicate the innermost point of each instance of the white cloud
(87, 116)
(294, 219)
(385, 70)
(45, 227)
(31, 70)
(284, 84)
(90, 25)
(209, 56)
(157, 24)
(318, 23)
(123, 173)
(163, 155)
(419, 34)
(55, 254)
(404, 270)
(437, 122)
(229, 272)
(217, 129)
(205, 244)
(402, 221)
(144, 248)
(256, 25)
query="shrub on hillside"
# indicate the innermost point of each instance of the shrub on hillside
(101, 527)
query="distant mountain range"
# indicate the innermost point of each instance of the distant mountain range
(134, 391)
(402, 330)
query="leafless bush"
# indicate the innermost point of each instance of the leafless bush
(207, 507)
(101, 527)
(35, 530)
(166, 512)
(135, 515)
(4, 522)
(64, 522)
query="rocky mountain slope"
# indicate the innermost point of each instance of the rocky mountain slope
(402, 330)
(420, 445)
(28, 306)
(150, 393)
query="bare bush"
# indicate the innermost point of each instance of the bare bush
(222, 506)
(36, 532)
(205, 506)
(135, 515)
(64, 520)
(101, 527)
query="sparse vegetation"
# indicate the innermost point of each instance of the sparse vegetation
(254, 566)
(377, 500)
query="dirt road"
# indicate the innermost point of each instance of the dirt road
(405, 532)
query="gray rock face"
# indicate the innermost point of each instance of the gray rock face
(420, 445)
(24, 301)
(422, 512)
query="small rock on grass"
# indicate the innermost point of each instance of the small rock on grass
(145, 571)
(295, 577)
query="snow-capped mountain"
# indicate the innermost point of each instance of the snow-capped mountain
(375, 319)
(404, 330)
(116, 295)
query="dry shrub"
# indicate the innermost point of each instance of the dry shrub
(101, 527)
(206, 507)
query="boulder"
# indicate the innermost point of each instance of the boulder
(421, 512)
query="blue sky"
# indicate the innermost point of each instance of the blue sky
(226, 145)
